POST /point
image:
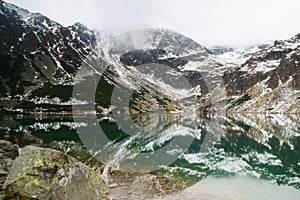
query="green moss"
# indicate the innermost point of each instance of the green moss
(37, 172)
(17, 194)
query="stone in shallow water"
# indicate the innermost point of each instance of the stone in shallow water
(40, 173)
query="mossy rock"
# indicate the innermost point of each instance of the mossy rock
(8, 152)
(41, 173)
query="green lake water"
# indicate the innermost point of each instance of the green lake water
(244, 157)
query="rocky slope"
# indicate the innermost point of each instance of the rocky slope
(192, 71)
(39, 57)
(237, 56)
(268, 81)
(42, 60)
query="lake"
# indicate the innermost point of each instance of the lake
(196, 157)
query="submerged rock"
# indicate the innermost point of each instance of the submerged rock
(41, 173)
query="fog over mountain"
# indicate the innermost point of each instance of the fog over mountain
(149, 112)
(230, 23)
(44, 59)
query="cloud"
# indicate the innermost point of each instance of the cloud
(216, 22)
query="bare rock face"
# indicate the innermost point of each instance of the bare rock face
(270, 77)
(8, 152)
(40, 173)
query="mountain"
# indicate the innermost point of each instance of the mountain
(39, 57)
(233, 56)
(192, 70)
(268, 81)
(42, 61)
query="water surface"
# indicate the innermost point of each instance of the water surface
(241, 152)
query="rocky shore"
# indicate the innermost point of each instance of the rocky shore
(32, 172)
(41, 173)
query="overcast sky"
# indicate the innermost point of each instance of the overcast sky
(237, 23)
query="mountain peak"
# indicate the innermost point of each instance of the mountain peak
(79, 25)
(13, 10)
(84, 33)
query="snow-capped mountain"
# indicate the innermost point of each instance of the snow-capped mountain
(39, 57)
(269, 81)
(237, 56)
(41, 60)
(183, 58)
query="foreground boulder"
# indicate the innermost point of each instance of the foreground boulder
(40, 173)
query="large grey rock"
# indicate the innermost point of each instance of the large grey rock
(41, 173)
(8, 152)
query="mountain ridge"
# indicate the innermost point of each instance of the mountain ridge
(41, 59)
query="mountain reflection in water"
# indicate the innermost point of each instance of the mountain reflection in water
(263, 147)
